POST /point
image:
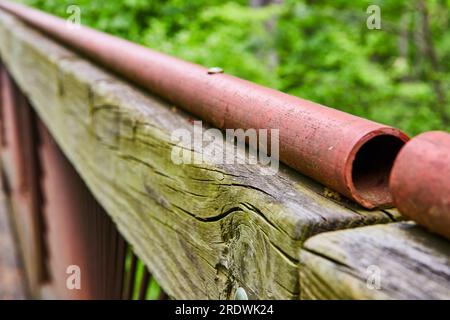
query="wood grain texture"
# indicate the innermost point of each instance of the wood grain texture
(203, 230)
(396, 261)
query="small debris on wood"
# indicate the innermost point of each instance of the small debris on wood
(331, 194)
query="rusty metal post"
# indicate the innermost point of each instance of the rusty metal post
(420, 181)
(20, 168)
(80, 234)
(344, 152)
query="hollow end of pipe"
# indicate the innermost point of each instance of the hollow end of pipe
(371, 163)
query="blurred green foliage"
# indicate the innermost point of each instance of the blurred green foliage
(320, 50)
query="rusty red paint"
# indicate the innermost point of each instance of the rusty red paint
(20, 168)
(420, 181)
(79, 231)
(344, 152)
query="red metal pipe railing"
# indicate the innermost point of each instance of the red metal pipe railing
(420, 181)
(344, 152)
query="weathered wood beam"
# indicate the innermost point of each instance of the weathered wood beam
(203, 230)
(395, 261)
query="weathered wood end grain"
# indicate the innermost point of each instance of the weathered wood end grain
(395, 261)
(203, 230)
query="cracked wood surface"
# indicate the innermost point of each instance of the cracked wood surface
(396, 261)
(203, 230)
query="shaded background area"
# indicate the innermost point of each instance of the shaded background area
(12, 284)
(320, 50)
